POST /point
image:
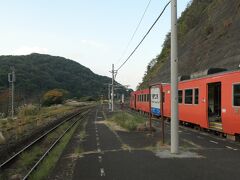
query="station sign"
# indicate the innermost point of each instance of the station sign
(155, 101)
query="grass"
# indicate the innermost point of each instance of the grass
(49, 163)
(31, 116)
(127, 121)
(27, 158)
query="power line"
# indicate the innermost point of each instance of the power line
(144, 36)
(125, 50)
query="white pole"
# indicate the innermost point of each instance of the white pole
(109, 97)
(12, 99)
(174, 79)
(122, 98)
(13, 81)
(112, 85)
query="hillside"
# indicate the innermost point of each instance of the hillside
(208, 36)
(37, 73)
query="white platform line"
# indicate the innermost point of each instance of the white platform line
(213, 142)
(102, 172)
(100, 159)
(231, 148)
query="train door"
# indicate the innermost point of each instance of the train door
(135, 99)
(214, 105)
(155, 101)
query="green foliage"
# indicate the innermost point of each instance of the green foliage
(88, 98)
(192, 16)
(38, 73)
(209, 29)
(51, 160)
(190, 19)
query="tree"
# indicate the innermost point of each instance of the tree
(55, 96)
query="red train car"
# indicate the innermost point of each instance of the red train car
(140, 100)
(211, 102)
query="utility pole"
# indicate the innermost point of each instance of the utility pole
(11, 80)
(114, 73)
(113, 76)
(174, 80)
(109, 97)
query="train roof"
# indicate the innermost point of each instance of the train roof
(196, 77)
(221, 73)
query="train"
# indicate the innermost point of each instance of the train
(210, 101)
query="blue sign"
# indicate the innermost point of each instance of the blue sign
(156, 111)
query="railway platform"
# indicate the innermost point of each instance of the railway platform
(110, 153)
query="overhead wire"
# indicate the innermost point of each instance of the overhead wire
(135, 31)
(144, 36)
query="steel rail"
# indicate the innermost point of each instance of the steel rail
(51, 147)
(36, 140)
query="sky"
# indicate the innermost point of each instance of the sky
(95, 33)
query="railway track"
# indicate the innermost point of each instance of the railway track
(58, 132)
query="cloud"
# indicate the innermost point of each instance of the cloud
(24, 50)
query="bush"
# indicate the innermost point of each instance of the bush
(87, 98)
(209, 29)
(55, 96)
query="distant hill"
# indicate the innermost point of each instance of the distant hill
(37, 73)
(208, 36)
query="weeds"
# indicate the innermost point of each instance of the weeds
(127, 121)
(49, 163)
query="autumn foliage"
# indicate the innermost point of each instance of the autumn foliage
(55, 96)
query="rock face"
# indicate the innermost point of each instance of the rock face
(214, 42)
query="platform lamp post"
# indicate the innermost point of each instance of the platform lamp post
(174, 80)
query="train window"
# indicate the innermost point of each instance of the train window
(236, 95)
(188, 96)
(180, 93)
(163, 97)
(145, 97)
(196, 94)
